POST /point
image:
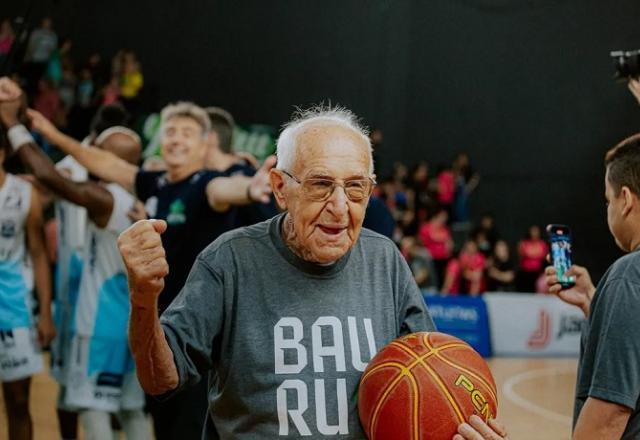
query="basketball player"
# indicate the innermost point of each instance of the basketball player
(20, 336)
(283, 315)
(71, 220)
(608, 385)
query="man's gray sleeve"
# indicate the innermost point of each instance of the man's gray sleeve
(414, 316)
(193, 321)
(615, 327)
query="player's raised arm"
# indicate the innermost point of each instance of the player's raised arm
(104, 164)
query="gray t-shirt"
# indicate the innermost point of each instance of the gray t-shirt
(285, 341)
(609, 367)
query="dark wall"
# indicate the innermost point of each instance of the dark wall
(523, 85)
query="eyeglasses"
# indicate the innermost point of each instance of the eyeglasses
(319, 189)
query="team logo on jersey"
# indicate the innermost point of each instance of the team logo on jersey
(13, 201)
(176, 213)
(8, 229)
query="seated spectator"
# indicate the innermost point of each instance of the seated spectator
(452, 278)
(483, 243)
(436, 237)
(532, 251)
(487, 224)
(420, 262)
(501, 274)
(472, 264)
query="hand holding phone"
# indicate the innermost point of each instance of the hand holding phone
(560, 251)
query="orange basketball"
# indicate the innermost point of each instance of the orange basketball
(422, 386)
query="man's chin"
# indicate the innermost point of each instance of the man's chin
(330, 255)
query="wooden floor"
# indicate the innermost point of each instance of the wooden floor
(535, 399)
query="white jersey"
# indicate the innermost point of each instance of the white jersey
(71, 227)
(71, 223)
(15, 276)
(102, 310)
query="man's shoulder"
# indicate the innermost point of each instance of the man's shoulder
(626, 268)
(372, 241)
(241, 240)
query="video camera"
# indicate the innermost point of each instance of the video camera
(627, 64)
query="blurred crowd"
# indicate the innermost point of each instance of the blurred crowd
(449, 249)
(66, 90)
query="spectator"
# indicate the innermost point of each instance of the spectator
(131, 81)
(56, 61)
(446, 189)
(7, 37)
(436, 237)
(472, 264)
(532, 251)
(420, 263)
(483, 243)
(466, 181)
(48, 102)
(42, 42)
(487, 225)
(501, 274)
(452, 278)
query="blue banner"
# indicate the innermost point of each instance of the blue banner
(463, 317)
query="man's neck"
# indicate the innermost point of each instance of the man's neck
(3, 177)
(176, 174)
(291, 240)
(220, 161)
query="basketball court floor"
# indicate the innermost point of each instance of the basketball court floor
(535, 399)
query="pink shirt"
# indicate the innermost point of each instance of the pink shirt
(446, 187)
(532, 255)
(436, 238)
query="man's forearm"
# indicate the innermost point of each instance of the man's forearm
(155, 366)
(225, 191)
(601, 420)
(42, 281)
(101, 163)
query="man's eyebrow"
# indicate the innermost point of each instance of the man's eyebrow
(326, 175)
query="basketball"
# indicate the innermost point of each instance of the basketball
(422, 386)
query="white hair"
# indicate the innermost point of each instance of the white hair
(186, 109)
(287, 147)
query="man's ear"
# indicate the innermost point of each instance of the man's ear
(277, 186)
(630, 200)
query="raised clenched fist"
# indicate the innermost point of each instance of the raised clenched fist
(145, 259)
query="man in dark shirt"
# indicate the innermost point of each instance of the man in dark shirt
(608, 385)
(220, 157)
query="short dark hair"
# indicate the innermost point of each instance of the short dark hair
(623, 164)
(109, 116)
(222, 124)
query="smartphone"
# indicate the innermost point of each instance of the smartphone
(560, 245)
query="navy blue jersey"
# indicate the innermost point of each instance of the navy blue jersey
(255, 212)
(192, 223)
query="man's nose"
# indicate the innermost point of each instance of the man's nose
(338, 202)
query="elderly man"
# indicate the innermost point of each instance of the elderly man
(283, 315)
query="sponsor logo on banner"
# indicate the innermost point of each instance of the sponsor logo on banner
(542, 335)
(533, 325)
